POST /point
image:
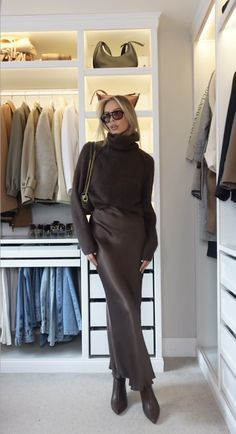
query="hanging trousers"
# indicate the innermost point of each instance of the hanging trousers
(120, 237)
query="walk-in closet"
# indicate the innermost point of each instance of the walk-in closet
(185, 83)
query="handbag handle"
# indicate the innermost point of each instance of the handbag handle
(96, 93)
(126, 44)
(106, 48)
(132, 97)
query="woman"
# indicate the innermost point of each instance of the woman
(120, 240)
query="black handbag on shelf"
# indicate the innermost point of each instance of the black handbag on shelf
(84, 197)
(102, 56)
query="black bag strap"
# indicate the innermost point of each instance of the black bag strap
(90, 167)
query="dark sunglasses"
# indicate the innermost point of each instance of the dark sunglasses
(116, 116)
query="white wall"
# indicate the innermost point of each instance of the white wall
(177, 207)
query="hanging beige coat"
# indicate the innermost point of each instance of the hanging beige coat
(8, 203)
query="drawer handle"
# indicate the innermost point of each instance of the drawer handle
(230, 293)
(230, 331)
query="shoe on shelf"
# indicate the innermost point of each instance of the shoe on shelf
(150, 404)
(119, 400)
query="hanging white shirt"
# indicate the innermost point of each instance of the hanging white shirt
(61, 194)
(70, 143)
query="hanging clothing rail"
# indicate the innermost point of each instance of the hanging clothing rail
(36, 92)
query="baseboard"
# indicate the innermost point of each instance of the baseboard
(179, 347)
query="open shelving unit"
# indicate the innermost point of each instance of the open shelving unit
(49, 81)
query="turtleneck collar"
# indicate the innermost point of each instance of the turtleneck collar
(122, 142)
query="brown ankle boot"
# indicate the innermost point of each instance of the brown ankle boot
(150, 405)
(119, 396)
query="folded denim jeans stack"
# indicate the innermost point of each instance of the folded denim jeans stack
(54, 230)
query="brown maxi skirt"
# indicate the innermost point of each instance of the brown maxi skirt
(120, 237)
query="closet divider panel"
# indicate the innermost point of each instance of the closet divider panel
(226, 108)
(204, 46)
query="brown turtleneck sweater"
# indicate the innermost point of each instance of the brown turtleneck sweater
(123, 178)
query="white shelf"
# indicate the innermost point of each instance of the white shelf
(63, 357)
(38, 64)
(40, 251)
(64, 350)
(117, 71)
(19, 240)
(36, 252)
(37, 262)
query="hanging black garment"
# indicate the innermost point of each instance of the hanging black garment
(222, 193)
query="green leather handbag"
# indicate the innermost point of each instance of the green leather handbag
(103, 58)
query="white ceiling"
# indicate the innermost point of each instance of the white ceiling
(175, 13)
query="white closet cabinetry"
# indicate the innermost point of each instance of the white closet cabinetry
(226, 68)
(206, 268)
(222, 306)
(47, 81)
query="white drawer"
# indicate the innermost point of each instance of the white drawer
(99, 342)
(150, 266)
(228, 385)
(147, 317)
(98, 314)
(228, 272)
(228, 347)
(96, 287)
(147, 285)
(91, 266)
(228, 309)
(40, 251)
(97, 291)
(149, 341)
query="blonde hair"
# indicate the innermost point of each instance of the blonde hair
(128, 110)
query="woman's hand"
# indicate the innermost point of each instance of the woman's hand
(92, 258)
(143, 265)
